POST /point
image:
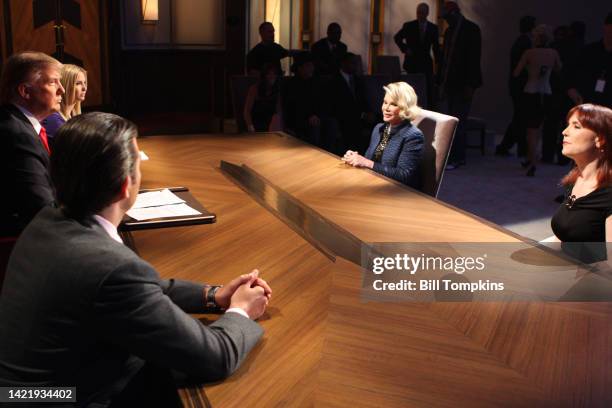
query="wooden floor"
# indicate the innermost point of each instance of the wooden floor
(324, 346)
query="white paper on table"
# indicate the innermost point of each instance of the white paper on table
(156, 199)
(143, 156)
(174, 210)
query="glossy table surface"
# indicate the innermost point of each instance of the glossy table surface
(323, 345)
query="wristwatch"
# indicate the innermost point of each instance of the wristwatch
(211, 303)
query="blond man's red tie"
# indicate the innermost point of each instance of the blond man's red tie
(44, 139)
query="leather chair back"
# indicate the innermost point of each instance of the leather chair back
(439, 130)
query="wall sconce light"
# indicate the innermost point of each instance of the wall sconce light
(150, 11)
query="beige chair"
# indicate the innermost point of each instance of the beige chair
(439, 131)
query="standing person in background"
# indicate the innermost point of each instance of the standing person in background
(30, 90)
(266, 52)
(560, 103)
(591, 78)
(74, 81)
(460, 74)
(262, 109)
(328, 52)
(539, 61)
(417, 39)
(516, 131)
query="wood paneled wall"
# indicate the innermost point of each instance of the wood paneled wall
(149, 81)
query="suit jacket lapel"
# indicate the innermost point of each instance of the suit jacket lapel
(28, 125)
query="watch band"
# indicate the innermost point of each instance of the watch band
(211, 303)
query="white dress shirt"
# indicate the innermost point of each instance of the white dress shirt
(35, 123)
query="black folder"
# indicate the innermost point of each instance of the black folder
(130, 224)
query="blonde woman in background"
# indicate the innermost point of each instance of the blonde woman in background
(396, 145)
(74, 81)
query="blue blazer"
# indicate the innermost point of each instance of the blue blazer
(401, 159)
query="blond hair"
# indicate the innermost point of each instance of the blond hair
(541, 35)
(69, 76)
(23, 68)
(405, 98)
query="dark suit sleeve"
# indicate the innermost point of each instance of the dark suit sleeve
(252, 60)
(189, 296)
(435, 44)
(408, 162)
(284, 53)
(133, 312)
(400, 37)
(474, 49)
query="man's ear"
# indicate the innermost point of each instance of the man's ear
(125, 189)
(24, 91)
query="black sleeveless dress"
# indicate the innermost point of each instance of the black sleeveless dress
(580, 224)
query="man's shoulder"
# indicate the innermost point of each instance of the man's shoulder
(75, 242)
(319, 43)
(471, 26)
(14, 127)
(279, 48)
(11, 118)
(257, 48)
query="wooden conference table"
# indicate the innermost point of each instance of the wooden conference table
(323, 345)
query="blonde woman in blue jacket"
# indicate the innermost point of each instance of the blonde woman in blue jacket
(396, 145)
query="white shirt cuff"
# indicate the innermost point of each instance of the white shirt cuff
(238, 310)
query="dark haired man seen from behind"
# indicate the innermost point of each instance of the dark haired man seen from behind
(30, 90)
(80, 309)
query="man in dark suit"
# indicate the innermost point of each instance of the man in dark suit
(590, 79)
(79, 308)
(516, 131)
(460, 74)
(30, 90)
(348, 107)
(328, 52)
(417, 39)
(266, 52)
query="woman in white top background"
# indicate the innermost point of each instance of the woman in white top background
(539, 62)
